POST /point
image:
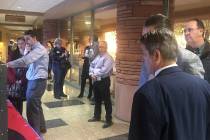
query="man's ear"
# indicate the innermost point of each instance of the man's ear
(201, 32)
(157, 57)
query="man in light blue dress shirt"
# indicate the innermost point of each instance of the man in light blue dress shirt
(37, 61)
(100, 72)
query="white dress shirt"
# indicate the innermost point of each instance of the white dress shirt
(101, 66)
(161, 69)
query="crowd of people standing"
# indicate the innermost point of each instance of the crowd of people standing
(161, 109)
(30, 64)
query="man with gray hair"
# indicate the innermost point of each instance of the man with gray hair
(186, 60)
(174, 105)
(100, 71)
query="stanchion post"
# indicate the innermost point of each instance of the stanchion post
(3, 105)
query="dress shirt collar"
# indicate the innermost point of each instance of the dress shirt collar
(35, 45)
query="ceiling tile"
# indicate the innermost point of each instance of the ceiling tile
(29, 5)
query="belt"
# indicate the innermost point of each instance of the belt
(104, 78)
(40, 79)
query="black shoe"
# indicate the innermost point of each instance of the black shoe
(80, 96)
(63, 95)
(57, 97)
(43, 130)
(94, 119)
(107, 124)
(89, 97)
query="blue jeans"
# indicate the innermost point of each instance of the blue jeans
(34, 93)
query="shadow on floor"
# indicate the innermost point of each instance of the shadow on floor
(63, 103)
(55, 123)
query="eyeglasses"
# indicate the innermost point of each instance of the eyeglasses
(189, 30)
(20, 43)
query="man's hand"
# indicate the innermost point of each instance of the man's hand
(9, 65)
(93, 77)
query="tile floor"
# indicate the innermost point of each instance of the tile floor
(70, 122)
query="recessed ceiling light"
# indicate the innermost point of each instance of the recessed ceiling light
(87, 22)
(19, 7)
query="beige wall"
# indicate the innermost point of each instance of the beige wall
(4, 44)
(6, 36)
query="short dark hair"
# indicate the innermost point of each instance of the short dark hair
(163, 40)
(51, 43)
(159, 21)
(32, 33)
(199, 23)
(21, 38)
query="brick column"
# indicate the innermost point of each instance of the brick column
(50, 30)
(131, 15)
(64, 29)
(53, 28)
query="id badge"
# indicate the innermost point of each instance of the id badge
(98, 78)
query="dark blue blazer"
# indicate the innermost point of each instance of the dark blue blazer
(172, 106)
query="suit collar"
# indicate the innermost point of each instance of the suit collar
(206, 50)
(161, 69)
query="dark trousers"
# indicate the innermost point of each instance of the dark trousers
(17, 103)
(102, 93)
(34, 93)
(49, 73)
(59, 77)
(83, 83)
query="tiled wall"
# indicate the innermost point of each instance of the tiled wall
(52, 29)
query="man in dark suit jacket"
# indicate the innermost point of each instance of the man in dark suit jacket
(194, 35)
(85, 74)
(186, 60)
(174, 105)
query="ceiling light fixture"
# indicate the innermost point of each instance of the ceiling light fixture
(87, 22)
(19, 7)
